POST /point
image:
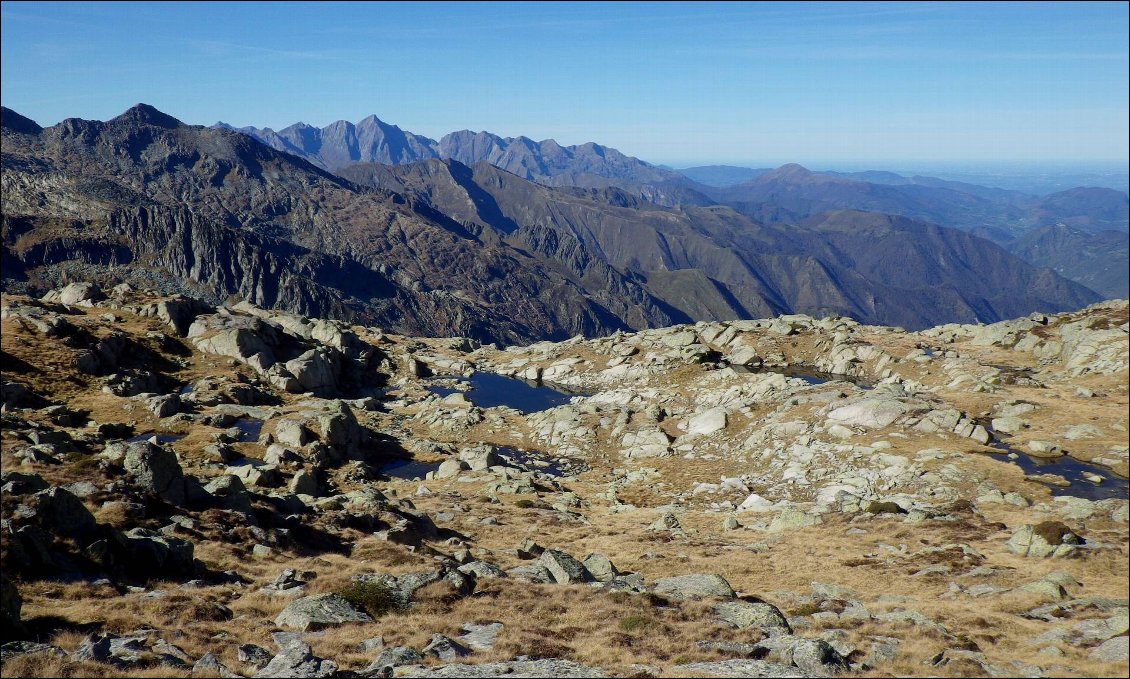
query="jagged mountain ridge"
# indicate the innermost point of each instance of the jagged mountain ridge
(787, 194)
(371, 140)
(220, 214)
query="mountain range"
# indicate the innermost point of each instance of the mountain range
(1068, 231)
(440, 247)
(371, 140)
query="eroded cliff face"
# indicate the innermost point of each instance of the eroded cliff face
(216, 214)
(439, 248)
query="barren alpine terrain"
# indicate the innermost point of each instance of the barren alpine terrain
(192, 490)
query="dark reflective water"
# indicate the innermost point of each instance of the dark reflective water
(249, 429)
(489, 390)
(408, 469)
(1112, 486)
(534, 461)
(807, 373)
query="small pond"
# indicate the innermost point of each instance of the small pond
(488, 390)
(408, 469)
(1112, 486)
(249, 429)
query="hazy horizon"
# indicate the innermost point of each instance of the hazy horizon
(666, 82)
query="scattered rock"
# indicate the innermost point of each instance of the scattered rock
(318, 612)
(695, 585)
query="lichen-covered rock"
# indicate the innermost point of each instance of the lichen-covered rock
(155, 469)
(1050, 538)
(759, 615)
(565, 569)
(313, 613)
(694, 585)
(296, 659)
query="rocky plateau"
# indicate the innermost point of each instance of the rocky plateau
(201, 490)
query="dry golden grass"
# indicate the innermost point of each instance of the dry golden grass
(612, 631)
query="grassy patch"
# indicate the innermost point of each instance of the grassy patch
(374, 597)
(639, 623)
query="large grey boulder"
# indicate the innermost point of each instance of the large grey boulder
(165, 405)
(77, 293)
(303, 483)
(449, 469)
(397, 656)
(316, 370)
(1115, 650)
(18, 483)
(158, 556)
(872, 413)
(791, 519)
(707, 422)
(210, 665)
(179, 312)
(445, 648)
(746, 614)
(534, 573)
(480, 637)
(600, 567)
(694, 585)
(296, 659)
(155, 469)
(482, 569)
(817, 658)
(133, 651)
(58, 511)
(313, 613)
(480, 458)
(405, 586)
(338, 428)
(255, 656)
(1047, 539)
(565, 569)
(292, 433)
(243, 338)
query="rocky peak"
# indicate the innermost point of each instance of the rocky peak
(14, 122)
(144, 114)
(789, 172)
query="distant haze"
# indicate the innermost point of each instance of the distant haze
(811, 83)
(1030, 176)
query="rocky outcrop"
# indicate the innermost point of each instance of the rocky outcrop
(458, 250)
(311, 614)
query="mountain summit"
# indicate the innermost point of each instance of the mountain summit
(371, 140)
(438, 247)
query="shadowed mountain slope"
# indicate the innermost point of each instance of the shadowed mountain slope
(145, 198)
(712, 262)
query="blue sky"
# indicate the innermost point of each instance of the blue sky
(675, 83)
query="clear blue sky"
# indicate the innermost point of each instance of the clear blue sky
(675, 83)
